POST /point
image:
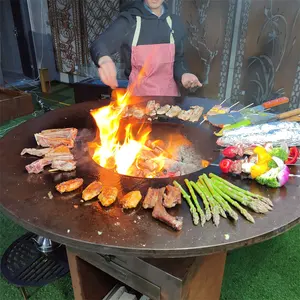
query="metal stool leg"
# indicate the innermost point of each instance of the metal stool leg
(24, 293)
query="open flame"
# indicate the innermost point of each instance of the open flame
(127, 154)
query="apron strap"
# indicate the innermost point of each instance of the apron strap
(137, 31)
(169, 21)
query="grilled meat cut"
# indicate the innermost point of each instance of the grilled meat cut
(153, 195)
(108, 195)
(185, 114)
(173, 112)
(68, 133)
(197, 113)
(131, 200)
(172, 196)
(50, 141)
(35, 152)
(69, 186)
(160, 213)
(151, 108)
(92, 190)
(38, 165)
(164, 109)
(60, 153)
(63, 165)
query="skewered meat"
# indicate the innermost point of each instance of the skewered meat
(92, 190)
(60, 153)
(38, 165)
(185, 114)
(68, 133)
(63, 165)
(69, 186)
(172, 196)
(197, 113)
(153, 195)
(49, 141)
(138, 112)
(35, 152)
(173, 112)
(163, 110)
(160, 213)
(131, 200)
(108, 195)
(151, 108)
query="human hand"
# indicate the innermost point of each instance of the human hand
(107, 71)
(189, 80)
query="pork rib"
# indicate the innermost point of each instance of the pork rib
(60, 153)
(153, 195)
(50, 141)
(172, 196)
(160, 213)
(64, 165)
(35, 152)
(38, 165)
(68, 133)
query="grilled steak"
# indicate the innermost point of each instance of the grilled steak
(60, 153)
(68, 133)
(197, 113)
(185, 114)
(153, 195)
(163, 110)
(160, 213)
(172, 196)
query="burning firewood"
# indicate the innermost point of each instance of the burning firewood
(160, 213)
(108, 195)
(131, 200)
(153, 195)
(69, 186)
(92, 190)
(172, 197)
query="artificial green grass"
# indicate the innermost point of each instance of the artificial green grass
(266, 271)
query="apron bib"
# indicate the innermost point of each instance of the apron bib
(152, 72)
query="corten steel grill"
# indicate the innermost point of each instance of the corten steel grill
(93, 229)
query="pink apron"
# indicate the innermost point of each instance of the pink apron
(152, 71)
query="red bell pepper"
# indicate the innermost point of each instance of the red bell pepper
(293, 156)
(230, 152)
(225, 165)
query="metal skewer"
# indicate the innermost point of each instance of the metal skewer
(236, 103)
(246, 107)
(224, 101)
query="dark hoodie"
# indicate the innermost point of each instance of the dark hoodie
(154, 30)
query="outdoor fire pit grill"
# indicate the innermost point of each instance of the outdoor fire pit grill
(93, 229)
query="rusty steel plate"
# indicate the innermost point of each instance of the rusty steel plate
(24, 197)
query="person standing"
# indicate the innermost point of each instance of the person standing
(151, 43)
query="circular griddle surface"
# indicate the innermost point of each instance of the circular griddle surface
(111, 231)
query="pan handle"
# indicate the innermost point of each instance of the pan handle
(288, 114)
(276, 102)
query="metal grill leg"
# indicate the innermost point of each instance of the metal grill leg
(24, 293)
(45, 245)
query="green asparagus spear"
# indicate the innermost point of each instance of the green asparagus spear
(255, 205)
(242, 210)
(259, 197)
(226, 207)
(204, 199)
(187, 197)
(194, 197)
(219, 207)
(213, 205)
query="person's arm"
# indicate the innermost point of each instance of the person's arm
(180, 67)
(110, 41)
